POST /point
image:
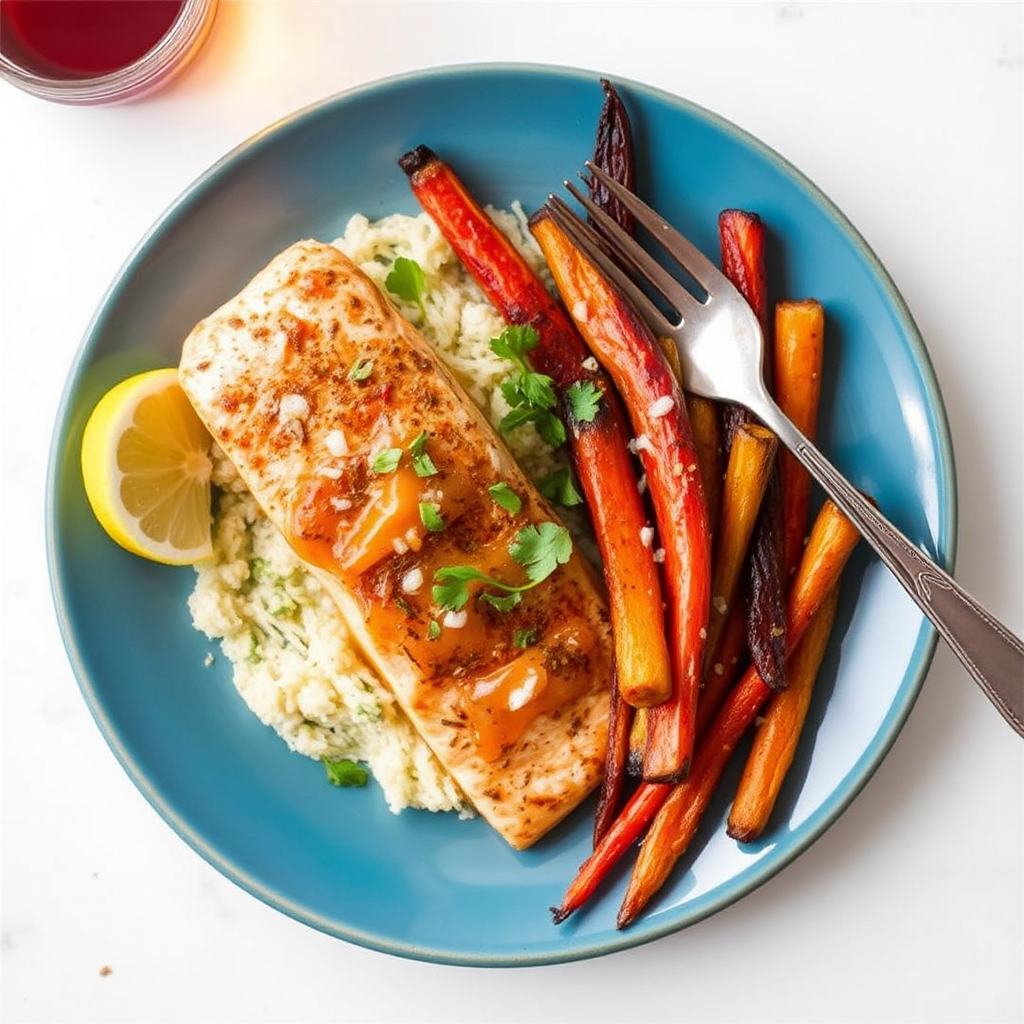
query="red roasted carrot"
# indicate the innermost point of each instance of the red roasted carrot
(600, 457)
(625, 831)
(630, 353)
(616, 765)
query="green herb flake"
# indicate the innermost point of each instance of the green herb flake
(558, 486)
(584, 398)
(386, 460)
(430, 516)
(524, 638)
(502, 602)
(422, 463)
(505, 497)
(406, 280)
(360, 369)
(433, 630)
(346, 773)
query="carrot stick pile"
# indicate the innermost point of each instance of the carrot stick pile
(722, 602)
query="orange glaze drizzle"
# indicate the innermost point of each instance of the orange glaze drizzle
(365, 528)
(502, 704)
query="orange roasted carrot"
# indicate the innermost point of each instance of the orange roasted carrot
(629, 352)
(829, 547)
(721, 672)
(706, 426)
(742, 235)
(751, 461)
(799, 353)
(601, 460)
(776, 737)
(679, 807)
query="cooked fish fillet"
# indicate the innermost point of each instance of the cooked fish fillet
(367, 455)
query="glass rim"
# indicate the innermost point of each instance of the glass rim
(171, 53)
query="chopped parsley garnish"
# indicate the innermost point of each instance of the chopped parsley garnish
(530, 396)
(584, 398)
(346, 773)
(406, 280)
(430, 516)
(386, 460)
(505, 497)
(538, 549)
(421, 461)
(361, 369)
(433, 630)
(524, 638)
(558, 486)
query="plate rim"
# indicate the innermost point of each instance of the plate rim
(824, 816)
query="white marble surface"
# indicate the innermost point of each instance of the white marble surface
(911, 908)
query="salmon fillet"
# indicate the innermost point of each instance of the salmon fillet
(367, 455)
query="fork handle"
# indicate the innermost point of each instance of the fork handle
(988, 650)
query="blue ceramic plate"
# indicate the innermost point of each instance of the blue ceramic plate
(430, 886)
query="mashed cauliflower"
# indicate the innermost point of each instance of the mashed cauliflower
(293, 658)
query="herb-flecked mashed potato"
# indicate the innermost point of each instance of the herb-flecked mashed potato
(293, 658)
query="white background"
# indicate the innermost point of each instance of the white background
(911, 907)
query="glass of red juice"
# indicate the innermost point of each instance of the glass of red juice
(99, 51)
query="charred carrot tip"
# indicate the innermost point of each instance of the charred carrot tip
(416, 159)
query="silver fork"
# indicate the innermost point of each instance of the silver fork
(721, 346)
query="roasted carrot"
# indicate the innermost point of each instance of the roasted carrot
(742, 235)
(799, 350)
(613, 153)
(616, 764)
(751, 460)
(830, 545)
(721, 673)
(624, 832)
(633, 358)
(598, 446)
(776, 738)
(706, 426)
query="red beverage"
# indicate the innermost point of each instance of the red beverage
(82, 38)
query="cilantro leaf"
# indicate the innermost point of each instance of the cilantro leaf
(422, 463)
(538, 549)
(584, 398)
(538, 390)
(430, 516)
(541, 549)
(406, 280)
(386, 460)
(505, 497)
(551, 428)
(515, 342)
(433, 629)
(530, 396)
(450, 588)
(346, 773)
(558, 486)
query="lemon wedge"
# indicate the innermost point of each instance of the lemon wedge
(146, 467)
